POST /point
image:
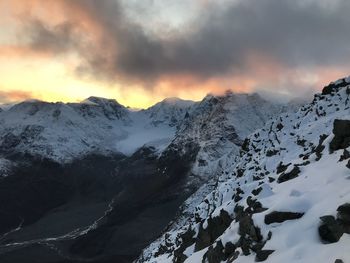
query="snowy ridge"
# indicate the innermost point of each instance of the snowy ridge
(267, 202)
(170, 111)
(62, 132)
(219, 124)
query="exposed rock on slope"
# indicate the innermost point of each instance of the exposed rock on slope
(219, 124)
(275, 220)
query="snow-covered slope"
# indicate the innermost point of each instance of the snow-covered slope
(217, 127)
(62, 132)
(170, 111)
(267, 202)
(219, 124)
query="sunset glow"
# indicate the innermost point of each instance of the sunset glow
(69, 50)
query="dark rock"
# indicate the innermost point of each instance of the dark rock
(341, 131)
(270, 153)
(230, 248)
(262, 255)
(239, 212)
(345, 155)
(279, 217)
(257, 191)
(319, 148)
(328, 89)
(245, 145)
(334, 87)
(271, 179)
(215, 254)
(348, 164)
(338, 261)
(288, 176)
(247, 229)
(282, 167)
(240, 172)
(215, 227)
(186, 240)
(330, 230)
(344, 213)
(301, 142)
(279, 126)
(254, 206)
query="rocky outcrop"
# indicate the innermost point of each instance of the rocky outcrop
(214, 228)
(286, 176)
(262, 255)
(280, 217)
(331, 228)
(292, 145)
(341, 131)
(335, 86)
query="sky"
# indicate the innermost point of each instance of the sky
(140, 52)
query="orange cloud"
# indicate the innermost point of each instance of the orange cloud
(14, 96)
(9, 51)
(256, 71)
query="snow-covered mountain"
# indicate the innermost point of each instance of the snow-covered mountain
(105, 173)
(284, 198)
(171, 111)
(219, 124)
(62, 132)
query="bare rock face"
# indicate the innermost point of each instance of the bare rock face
(216, 226)
(341, 131)
(333, 87)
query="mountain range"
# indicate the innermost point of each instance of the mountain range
(232, 178)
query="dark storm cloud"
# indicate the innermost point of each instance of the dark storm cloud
(293, 33)
(60, 38)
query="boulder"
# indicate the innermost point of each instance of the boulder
(344, 213)
(262, 255)
(344, 217)
(330, 230)
(341, 131)
(288, 176)
(279, 217)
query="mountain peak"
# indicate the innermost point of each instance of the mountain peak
(336, 85)
(174, 101)
(100, 101)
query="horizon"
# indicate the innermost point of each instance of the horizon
(268, 97)
(143, 52)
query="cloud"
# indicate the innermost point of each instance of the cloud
(222, 39)
(14, 96)
(58, 39)
(227, 40)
